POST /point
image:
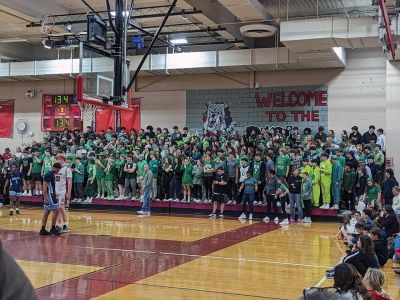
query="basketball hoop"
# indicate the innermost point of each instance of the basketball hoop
(88, 113)
(48, 23)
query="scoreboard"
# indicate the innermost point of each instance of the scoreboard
(60, 112)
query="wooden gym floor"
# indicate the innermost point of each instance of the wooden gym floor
(121, 256)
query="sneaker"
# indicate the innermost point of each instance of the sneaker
(54, 231)
(11, 212)
(65, 229)
(141, 212)
(299, 221)
(330, 275)
(309, 221)
(17, 211)
(58, 228)
(67, 208)
(242, 217)
(133, 198)
(279, 204)
(44, 232)
(266, 220)
(98, 196)
(335, 206)
(276, 220)
(229, 202)
(221, 216)
(291, 221)
(24, 194)
(284, 222)
(212, 215)
(147, 213)
(250, 217)
(29, 193)
(1, 205)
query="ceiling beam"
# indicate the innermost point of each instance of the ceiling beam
(34, 9)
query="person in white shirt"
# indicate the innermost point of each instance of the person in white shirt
(63, 189)
(396, 202)
(381, 139)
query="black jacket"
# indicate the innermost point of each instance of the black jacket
(389, 223)
(356, 136)
(387, 187)
(362, 261)
(294, 183)
(367, 137)
(381, 251)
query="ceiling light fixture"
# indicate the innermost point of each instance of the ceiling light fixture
(48, 44)
(124, 13)
(179, 41)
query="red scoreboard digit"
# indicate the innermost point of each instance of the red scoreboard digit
(60, 112)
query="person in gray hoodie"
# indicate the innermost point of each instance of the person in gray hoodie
(147, 191)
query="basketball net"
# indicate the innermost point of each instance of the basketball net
(48, 23)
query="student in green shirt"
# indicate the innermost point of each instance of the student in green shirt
(48, 162)
(78, 178)
(90, 186)
(282, 164)
(37, 172)
(100, 176)
(282, 194)
(154, 165)
(373, 195)
(110, 178)
(187, 181)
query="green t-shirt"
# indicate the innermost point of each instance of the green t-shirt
(37, 166)
(372, 193)
(100, 170)
(79, 178)
(208, 165)
(153, 165)
(91, 170)
(110, 174)
(140, 166)
(282, 165)
(256, 169)
(48, 164)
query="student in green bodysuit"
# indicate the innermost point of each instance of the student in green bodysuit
(100, 175)
(110, 178)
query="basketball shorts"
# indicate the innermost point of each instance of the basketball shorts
(37, 177)
(51, 205)
(220, 198)
(61, 199)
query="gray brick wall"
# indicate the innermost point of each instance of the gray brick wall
(243, 108)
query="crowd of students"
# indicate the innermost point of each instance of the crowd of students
(294, 170)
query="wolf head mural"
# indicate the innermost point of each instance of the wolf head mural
(217, 117)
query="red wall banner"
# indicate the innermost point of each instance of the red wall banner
(6, 118)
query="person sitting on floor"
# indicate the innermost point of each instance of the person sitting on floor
(374, 280)
(387, 221)
(380, 245)
(364, 257)
(349, 283)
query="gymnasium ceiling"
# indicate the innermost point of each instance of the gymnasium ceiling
(206, 24)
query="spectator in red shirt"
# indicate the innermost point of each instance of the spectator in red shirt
(373, 280)
(7, 154)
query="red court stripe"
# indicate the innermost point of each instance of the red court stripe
(106, 280)
(79, 249)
